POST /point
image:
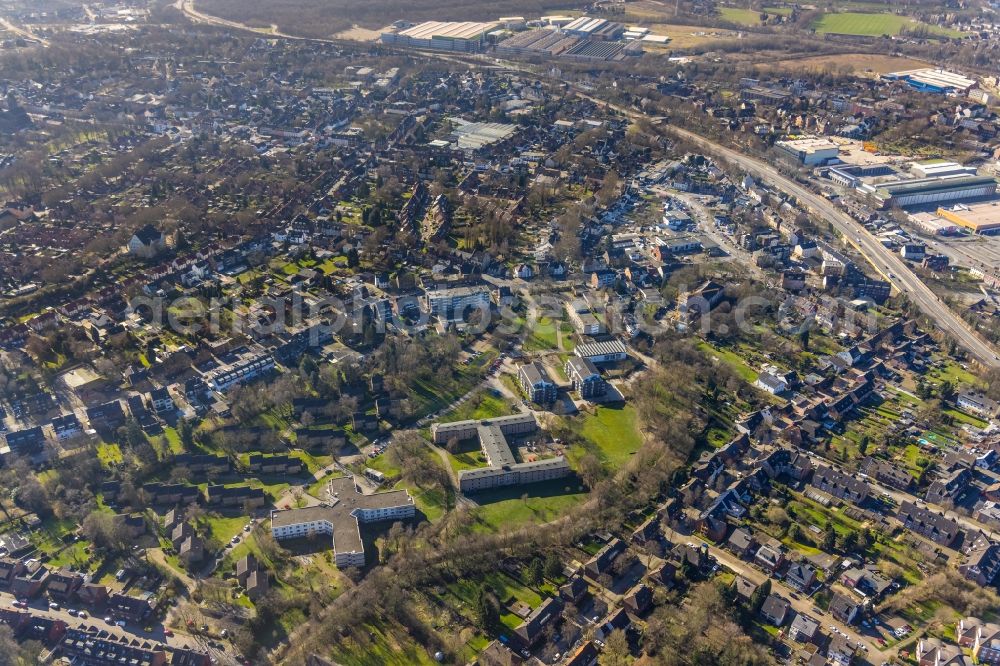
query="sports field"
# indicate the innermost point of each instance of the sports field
(874, 25)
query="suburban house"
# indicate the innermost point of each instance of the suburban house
(840, 485)
(147, 242)
(775, 609)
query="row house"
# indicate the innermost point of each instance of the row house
(840, 485)
(936, 527)
(982, 564)
(276, 464)
(235, 496)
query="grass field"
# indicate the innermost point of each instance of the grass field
(533, 503)
(739, 15)
(543, 337)
(874, 25)
(731, 358)
(750, 17)
(858, 62)
(223, 529)
(109, 454)
(483, 405)
(614, 431)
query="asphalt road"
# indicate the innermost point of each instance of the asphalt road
(888, 263)
(800, 603)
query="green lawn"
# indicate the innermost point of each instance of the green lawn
(740, 15)
(874, 25)
(316, 488)
(483, 405)
(173, 440)
(109, 454)
(382, 464)
(432, 503)
(730, 358)
(963, 417)
(507, 590)
(531, 503)
(466, 460)
(73, 554)
(223, 529)
(383, 649)
(614, 431)
(543, 336)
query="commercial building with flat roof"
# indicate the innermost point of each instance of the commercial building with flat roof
(451, 304)
(466, 36)
(473, 136)
(810, 151)
(980, 218)
(342, 519)
(934, 225)
(933, 80)
(594, 28)
(609, 351)
(938, 168)
(923, 191)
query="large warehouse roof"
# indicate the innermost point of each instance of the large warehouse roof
(937, 79)
(448, 30)
(929, 185)
(980, 218)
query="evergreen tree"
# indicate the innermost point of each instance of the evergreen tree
(758, 597)
(533, 572)
(485, 609)
(553, 566)
(185, 431)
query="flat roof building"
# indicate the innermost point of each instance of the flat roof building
(602, 352)
(466, 36)
(938, 168)
(933, 80)
(503, 468)
(451, 304)
(474, 136)
(342, 519)
(980, 218)
(923, 191)
(810, 151)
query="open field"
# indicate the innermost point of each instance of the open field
(750, 17)
(613, 430)
(326, 18)
(505, 508)
(688, 36)
(874, 25)
(858, 62)
(739, 15)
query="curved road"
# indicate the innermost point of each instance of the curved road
(888, 263)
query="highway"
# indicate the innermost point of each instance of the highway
(890, 265)
(22, 32)
(887, 263)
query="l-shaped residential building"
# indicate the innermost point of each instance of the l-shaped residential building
(342, 518)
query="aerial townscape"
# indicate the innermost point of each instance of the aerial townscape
(500, 334)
